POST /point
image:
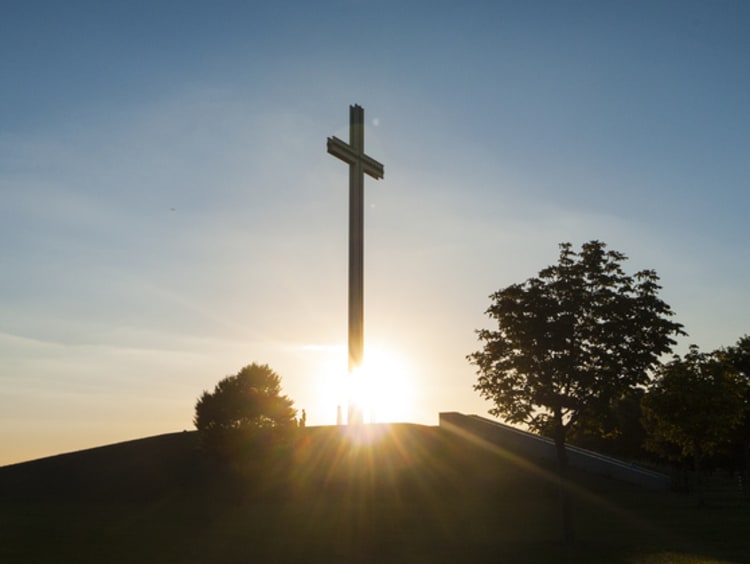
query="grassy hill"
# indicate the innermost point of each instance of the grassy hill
(395, 493)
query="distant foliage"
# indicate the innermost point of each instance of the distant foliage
(738, 357)
(694, 406)
(248, 405)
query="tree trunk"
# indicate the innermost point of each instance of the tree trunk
(566, 503)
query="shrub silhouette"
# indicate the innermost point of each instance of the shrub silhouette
(245, 413)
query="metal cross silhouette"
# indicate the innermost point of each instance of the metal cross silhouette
(360, 164)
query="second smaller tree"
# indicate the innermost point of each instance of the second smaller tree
(692, 407)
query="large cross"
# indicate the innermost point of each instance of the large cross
(360, 164)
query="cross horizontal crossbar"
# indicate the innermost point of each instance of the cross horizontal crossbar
(346, 153)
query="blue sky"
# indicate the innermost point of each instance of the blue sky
(169, 213)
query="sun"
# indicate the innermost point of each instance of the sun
(382, 388)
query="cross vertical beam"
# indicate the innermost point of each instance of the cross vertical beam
(360, 164)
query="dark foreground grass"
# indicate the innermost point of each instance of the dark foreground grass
(413, 494)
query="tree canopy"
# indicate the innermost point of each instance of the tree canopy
(572, 339)
(250, 399)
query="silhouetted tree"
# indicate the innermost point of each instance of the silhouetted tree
(569, 342)
(244, 409)
(693, 404)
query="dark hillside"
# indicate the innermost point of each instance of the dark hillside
(383, 493)
(138, 469)
(379, 458)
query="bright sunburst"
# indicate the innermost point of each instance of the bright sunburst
(381, 388)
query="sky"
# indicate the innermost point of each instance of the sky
(169, 214)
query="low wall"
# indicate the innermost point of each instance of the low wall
(537, 447)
